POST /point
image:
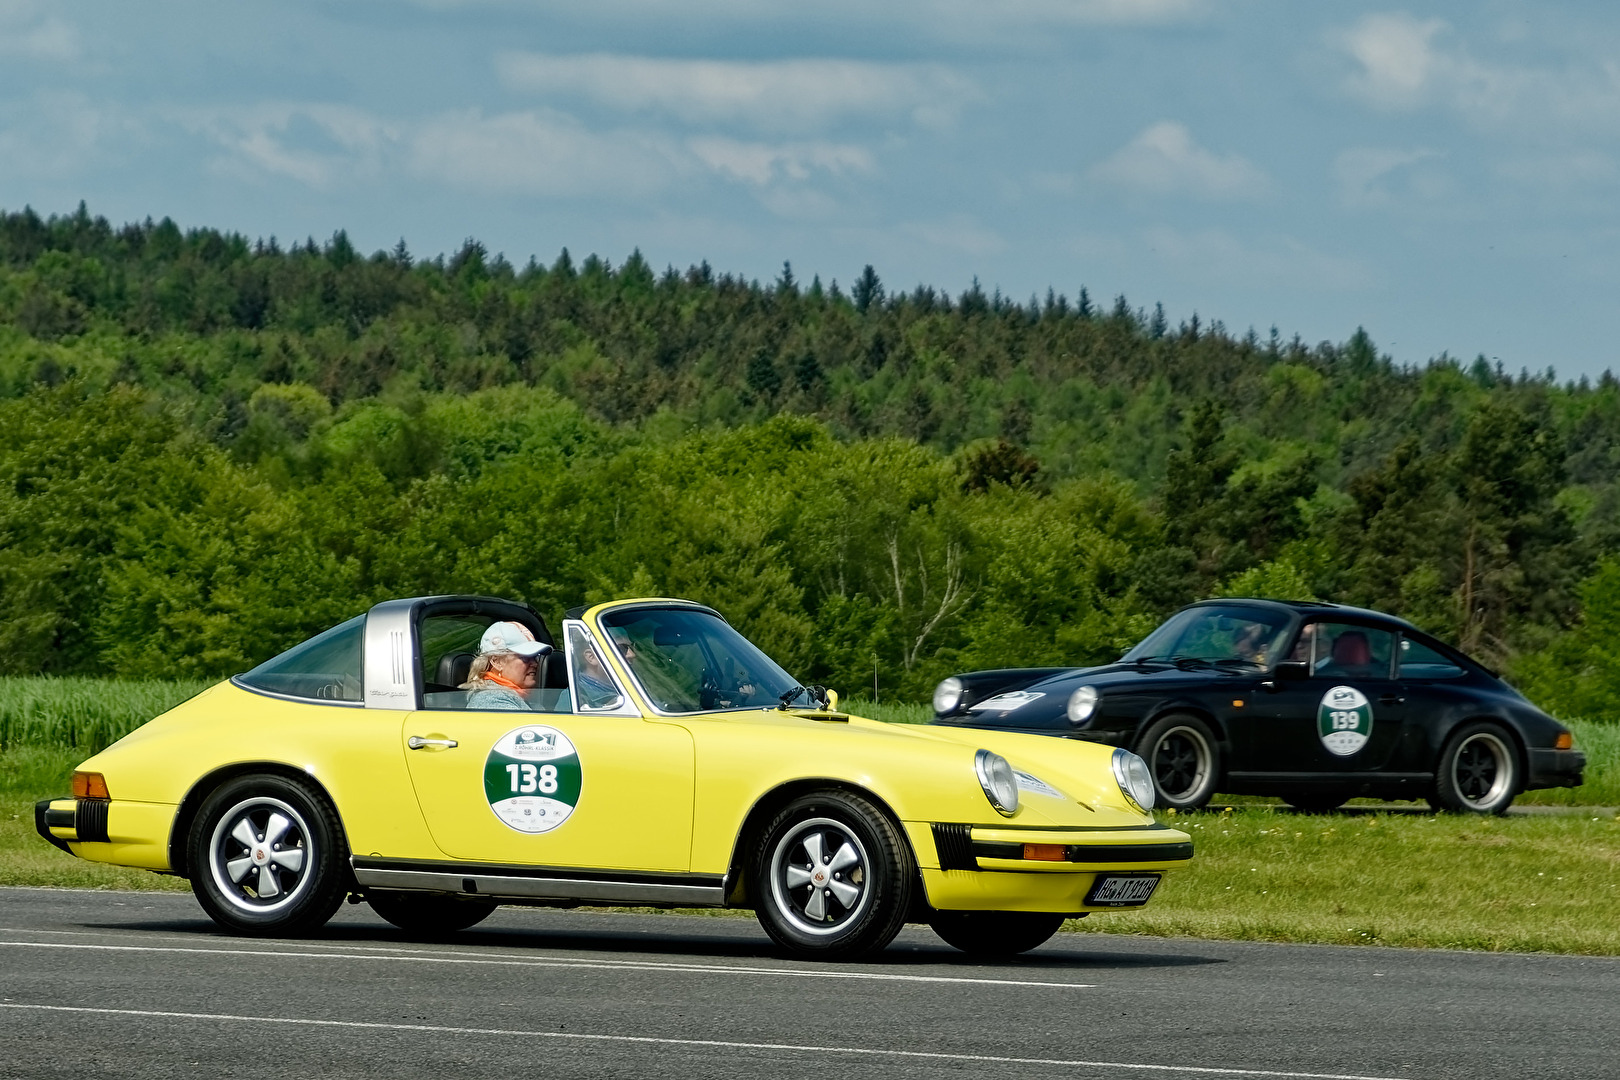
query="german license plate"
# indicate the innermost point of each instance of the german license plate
(1118, 890)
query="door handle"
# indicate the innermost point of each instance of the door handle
(1391, 699)
(416, 742)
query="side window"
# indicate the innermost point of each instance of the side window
(324, 668)
(1418, 661)
(596, 689)
(1343, 650)
(450, 647)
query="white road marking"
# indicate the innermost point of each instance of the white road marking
(653, 1040)
(586, 965)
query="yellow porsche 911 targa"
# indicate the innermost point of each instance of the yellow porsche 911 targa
(442, 755)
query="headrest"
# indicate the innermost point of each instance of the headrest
(1351, 649)
(452, 670)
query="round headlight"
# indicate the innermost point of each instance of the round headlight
(997, 779)
(1134, 779)
(1083, 704)
(948, 695)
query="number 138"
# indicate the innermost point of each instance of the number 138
(527, 779)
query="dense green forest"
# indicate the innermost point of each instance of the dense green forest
(215, 446)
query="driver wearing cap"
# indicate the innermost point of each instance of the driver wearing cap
(505, 668)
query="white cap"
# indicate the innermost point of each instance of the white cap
(512, 637)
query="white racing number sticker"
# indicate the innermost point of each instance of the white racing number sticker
(1344, 720)
(532, 778)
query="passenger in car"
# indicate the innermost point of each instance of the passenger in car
(505, 669)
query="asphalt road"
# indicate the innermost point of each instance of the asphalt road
(109, 984)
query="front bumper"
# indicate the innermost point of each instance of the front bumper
(991, 868)
(1555, 768)
(54, 820)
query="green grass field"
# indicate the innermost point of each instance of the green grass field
(1547, 881)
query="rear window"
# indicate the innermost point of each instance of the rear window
(1418, 661)
(324, 668)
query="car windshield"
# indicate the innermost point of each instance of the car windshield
(693, 661)
(1238, 635)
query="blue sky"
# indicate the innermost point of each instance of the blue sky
(1445, 175)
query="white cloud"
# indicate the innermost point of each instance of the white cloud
(759, 163)
(957, 233)
(313, 143)
(1215, 255)
(1164, 159)
(1395, 55)
(1400, 62)
(27, 31)
(933, 17)
(1562, 172)
(1365, 173)
(776, 94)
(56, 135)
(540, 153)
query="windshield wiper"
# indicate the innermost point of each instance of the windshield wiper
(816, 695)
(1238, 661)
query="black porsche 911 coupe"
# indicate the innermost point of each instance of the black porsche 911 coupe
(1315, 703)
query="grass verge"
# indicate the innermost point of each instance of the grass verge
(1530, 883)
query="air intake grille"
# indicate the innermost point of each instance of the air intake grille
(90, 820)
(955, 846)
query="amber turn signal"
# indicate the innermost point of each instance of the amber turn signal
(90, 785)
(1044, 852)
(1564, 741)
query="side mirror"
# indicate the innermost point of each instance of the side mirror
(1291, 670)
(832, 701)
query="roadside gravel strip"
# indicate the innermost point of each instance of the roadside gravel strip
(142, 985)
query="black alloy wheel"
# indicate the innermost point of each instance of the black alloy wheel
(1184, 759)
(1478, 771)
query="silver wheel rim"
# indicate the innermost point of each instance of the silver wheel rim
(1190, 762)
(261, 855)
(1482, 770)
(819, 877)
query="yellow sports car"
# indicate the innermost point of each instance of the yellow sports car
(442, 755)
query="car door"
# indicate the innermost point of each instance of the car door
(1346, 715)
(593, 785)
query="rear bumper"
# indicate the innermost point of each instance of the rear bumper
(1555, 768)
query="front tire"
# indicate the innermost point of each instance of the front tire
(1184, 759)
(833, 877)
(995, 933)
(1478, 771)
(268, 856)
(429, 913)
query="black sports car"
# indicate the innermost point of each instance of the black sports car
(1316, 703)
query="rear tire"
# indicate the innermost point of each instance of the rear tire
(429, 913)
(1478, 771)
(268, 857)
(1315, 803)
(1184, 759)
(832, 877)
(995, 933)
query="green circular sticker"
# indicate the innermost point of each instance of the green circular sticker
(1345, 720)
(532, 779)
